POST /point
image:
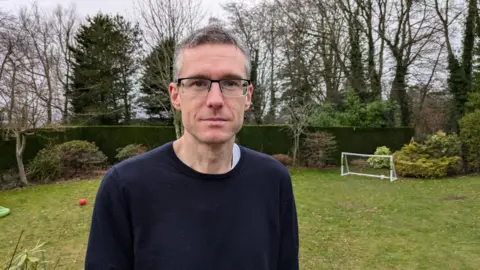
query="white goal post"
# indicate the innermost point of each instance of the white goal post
(345, 168)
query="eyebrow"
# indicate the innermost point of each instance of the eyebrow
(223, 77)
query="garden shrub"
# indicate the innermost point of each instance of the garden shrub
(81, 155)
(470, 136)
(380, 162)
(130, 151)
(46, 166)
(9, 179)
(414, 160)
(317, 149)
(284, 159)
(65, 160)
(442, 145)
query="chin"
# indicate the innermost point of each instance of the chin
(215, 137)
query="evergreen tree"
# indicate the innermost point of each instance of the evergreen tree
(128, 56)
(460, 72)
(476, 59)
(103, 67)
(158, 73)
(357, 76)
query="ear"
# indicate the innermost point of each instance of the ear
(248, 97)
(174, 96)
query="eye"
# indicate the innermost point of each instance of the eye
(232, 83)
(197, 83)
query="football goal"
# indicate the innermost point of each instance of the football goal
(380, 166)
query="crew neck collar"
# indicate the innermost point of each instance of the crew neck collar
(183, 168)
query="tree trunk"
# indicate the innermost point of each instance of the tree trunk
(12, 97)
(49, 110)
(399, 94)
(296, 146)
(273, 101)
(127, 109)
(21, 141)
(65, 107)
(177, 122)
(50, 95)
(468, 43)
(125, 99)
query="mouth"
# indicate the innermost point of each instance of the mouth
(214, 122)
(215, 119)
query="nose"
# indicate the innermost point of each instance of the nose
(215, 96)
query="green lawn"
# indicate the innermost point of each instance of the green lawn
(345, 222)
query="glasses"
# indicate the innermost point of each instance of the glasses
(201, 87)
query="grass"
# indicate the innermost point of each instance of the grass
(345, 222)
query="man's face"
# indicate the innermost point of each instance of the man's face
(212, 118)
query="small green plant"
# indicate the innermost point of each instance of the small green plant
(130, 151)
(380, 162)
(28, 259)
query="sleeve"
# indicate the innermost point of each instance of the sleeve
(288, 259)
(110, 240)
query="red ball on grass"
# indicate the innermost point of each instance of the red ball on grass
(82, 201)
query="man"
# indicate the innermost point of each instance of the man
(202, 201)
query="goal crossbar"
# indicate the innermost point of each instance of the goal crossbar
(344, 165)
(365, 155)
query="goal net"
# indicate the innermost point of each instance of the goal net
(380, 166)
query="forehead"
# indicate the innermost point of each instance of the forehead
(213, 61)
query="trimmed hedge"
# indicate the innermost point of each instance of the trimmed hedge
(269, 139)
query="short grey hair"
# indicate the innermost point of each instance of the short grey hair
(212, 34)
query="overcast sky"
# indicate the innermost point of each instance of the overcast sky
(90, 7)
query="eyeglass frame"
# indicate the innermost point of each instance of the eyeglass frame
(179, 81)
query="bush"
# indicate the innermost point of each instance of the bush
(413, 160)
(81, 155)
(380, 162)
(284, 159)
(130, 151)
(317, 149)
(470, 136)
(46, 166)
(9, 179)
(442, 145)
(65, 160)
(429, 167)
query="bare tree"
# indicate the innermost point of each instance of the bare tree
(6, 41)
(39, 29)
(65, 25)
(18, 87)
(315, 31)
(409, 28)
(424, 87)
(299, 119)
(375, 61)
(249, 23)
(168, 20)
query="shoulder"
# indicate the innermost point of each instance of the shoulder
(140, 166)
(269, 170)
(264, 162)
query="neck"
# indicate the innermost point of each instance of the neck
(204, 158)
